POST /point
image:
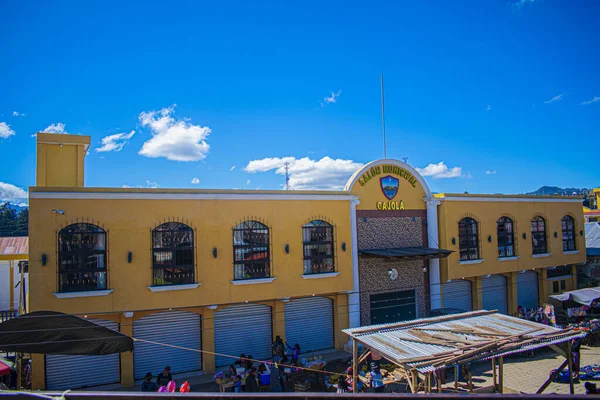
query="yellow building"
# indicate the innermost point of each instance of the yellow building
(225, 271)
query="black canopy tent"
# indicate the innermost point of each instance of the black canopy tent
(49, 332)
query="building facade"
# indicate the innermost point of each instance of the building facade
(223, 272)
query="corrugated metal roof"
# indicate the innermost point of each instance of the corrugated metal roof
(14, 246)
(592, 235)
(431, 339)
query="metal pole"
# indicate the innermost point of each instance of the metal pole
(570, 359)
(354, 365)
(383, 117)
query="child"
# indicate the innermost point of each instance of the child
(237, 384)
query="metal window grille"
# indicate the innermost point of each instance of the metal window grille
(318, 245)
(468, 239)
(538, 235)
(251, 251)
(506, 238)
(568, 233)
(82, 258)
(172, 254)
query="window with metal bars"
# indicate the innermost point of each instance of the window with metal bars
(318, 243)
(468, 239)
(82, 258)
(506, 237)
(251, 251)
(568, 233)
(538, 235)
(172, 254)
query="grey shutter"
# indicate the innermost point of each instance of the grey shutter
(457, 294)
(75, 372)
(179, 328)
(309, 322)
(494, 294)
(527, 289)
(244, 328)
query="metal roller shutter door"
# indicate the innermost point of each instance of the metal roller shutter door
(178, 328)
(457, 294)
(244, 329)
(75, 372)
(527, 289)
(494, 296)
(309, 322)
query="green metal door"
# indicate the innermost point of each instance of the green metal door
(393, 307)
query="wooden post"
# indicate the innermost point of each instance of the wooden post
(428, 388)
(456, 378)
(439, 379)
(414, 377)
(470, 381)
(570, 360)
(501, 375)
(552, 377)
(354, 365)
(494, 374)
(19, 362)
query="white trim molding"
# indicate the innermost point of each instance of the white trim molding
(532, 199)
(318, 276)
(252, 281)
(74, 295)
(468, 262)
(187, 196)
(508, 258)
(541, 255)
(433, 239)
(169, 288)
(571, 252)
(354, 298)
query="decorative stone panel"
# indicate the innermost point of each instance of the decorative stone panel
(390, 232)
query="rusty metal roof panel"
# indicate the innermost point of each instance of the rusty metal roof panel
(14, 246)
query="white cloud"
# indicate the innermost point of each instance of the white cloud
(12, 193)
(125, 186)
(5, 130)
(195, 181)
(176, 140)
(23, 205)
(488, 108)
(248, 182)
(555, 98)
(489, 172)
(152, 185)
(595, 99)
(307, 174)
(232, 168)
(440, 170)
(330, 99)
(115, 142)
(149, 184)
(17, 114)
(55, 128)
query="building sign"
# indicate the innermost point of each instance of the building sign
(389, 184)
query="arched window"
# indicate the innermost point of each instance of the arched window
(506, 242)
(173, 254)
(538, 235)
(568, 233)
(82, 258)
(251, 251)
(317, 237)
(468, 239)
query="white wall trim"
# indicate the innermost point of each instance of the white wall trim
(509, 199)
(388, 161)
(433, 240)
(468, 262)
(354, 298)
(186, 196)
(508, 258)
(73, 295)
(169, 288)
(323, 275)
(542, 255)
(571, 252)
(252, 281)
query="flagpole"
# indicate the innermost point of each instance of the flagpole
(383, 117)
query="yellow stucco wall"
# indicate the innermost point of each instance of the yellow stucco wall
(129, 224)
(60, 160)
(486, 213)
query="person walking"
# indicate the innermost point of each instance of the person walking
(148, 385)
(164, 377)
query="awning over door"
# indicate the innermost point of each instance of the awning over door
(407, 252)
(581, 296)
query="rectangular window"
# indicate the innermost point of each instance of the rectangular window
(563, 285)
(538, 235)
(555, 287)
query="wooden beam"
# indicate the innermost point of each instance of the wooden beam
(354, 365)
(414, 377)
(501, 374)
(560, 351)
(552, 377)
(363, 356)
(570, 360)
(494, 374)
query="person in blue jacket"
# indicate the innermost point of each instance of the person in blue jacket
(295, 353)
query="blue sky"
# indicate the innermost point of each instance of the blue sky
(505, 94)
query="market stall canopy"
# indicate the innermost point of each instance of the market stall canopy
(5, 366)
(581, 296)
(49, 332)
(434, 343)
(407, 252)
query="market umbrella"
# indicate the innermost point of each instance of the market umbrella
(5, 367)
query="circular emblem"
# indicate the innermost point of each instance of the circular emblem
(393, 274)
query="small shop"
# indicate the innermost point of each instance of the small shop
(309, 323)
(181, 328)
(493, 293)
(242, 329)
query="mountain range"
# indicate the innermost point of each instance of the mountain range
(556, 191)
